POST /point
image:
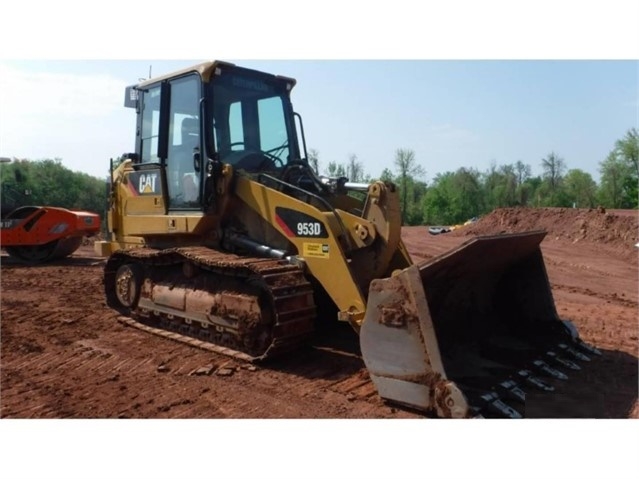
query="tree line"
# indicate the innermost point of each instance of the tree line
(450, 198)
(49, 183)
(456, 196)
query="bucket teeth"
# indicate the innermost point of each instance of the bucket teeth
(562, 361)
(511, 390)
(588, 348)
(535, 381)
(497, 406)
(573, 352)
(549, 371)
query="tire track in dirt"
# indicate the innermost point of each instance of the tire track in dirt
(306, 382)
(65, 355)
(328, 378)
(588, 292)
(43, 375)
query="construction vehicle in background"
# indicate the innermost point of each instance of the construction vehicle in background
(36, 234)
(222, 236)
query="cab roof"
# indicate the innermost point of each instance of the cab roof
(205, 70)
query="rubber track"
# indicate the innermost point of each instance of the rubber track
(284, 283)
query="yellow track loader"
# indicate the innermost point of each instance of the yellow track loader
(223, 236)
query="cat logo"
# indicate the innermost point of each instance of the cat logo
(147, 183)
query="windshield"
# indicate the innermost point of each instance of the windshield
(253, 128)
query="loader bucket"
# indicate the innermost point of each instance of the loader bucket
(468, 333)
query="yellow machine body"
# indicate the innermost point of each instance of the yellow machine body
(221, 232)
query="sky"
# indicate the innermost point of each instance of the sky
(543, 75)
(451, 113)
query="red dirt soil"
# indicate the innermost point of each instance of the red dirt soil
(64, 354)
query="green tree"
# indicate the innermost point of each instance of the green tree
(354, 169)
(528, 192)
(500, 186)
(407, 169)
(627, 150)
(48, 183)
(614, 178)
(580, 188)
(313, 160)
(453, 198)
(335, 170)
(523, 192)
(416, 211)
(437, 202)
(552, 194)
(522, 171)
(387, 175)
(553, 169)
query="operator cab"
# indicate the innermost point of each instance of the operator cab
(192, 121)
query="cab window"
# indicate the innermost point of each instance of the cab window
(184, 143)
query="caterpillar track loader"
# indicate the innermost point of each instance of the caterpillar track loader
(222, 236)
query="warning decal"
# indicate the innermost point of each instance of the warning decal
(315, 250)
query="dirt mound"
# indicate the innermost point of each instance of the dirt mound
(615, 230)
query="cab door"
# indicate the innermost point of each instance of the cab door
(183, 161)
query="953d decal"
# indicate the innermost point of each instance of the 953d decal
(301, 225)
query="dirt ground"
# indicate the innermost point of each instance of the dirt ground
(65, 355)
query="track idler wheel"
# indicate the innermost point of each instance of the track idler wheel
(128, 281)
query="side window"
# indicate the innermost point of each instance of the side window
(150, 125)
